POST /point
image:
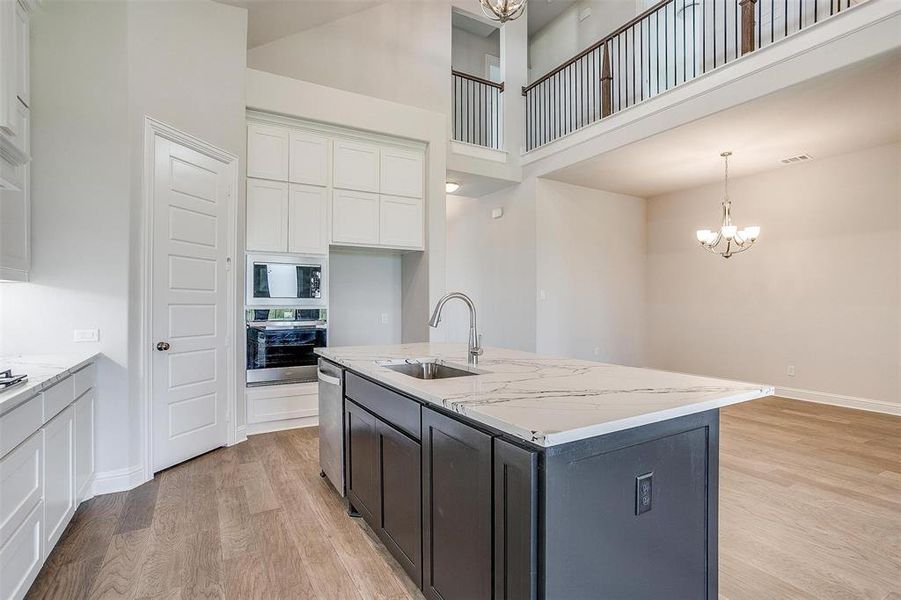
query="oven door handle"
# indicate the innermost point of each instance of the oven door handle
(328, 378)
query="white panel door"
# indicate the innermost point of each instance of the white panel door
(355, 217)
(267, 152)
(191, 197)
(21, 484)
(267, 215)
(15, 225)
(356, 166)
(308, 159)
(59, 476)
(401, 172)
(307, 219)
(84, 444)
(401, 222)
(20, 558)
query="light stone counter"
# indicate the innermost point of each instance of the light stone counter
(547, 400)
(43, 371)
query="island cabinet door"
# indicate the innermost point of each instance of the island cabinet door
(456, 497)
(400, 526)
(515, 522)
(361, 454)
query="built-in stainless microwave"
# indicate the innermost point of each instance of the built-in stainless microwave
(288, 281)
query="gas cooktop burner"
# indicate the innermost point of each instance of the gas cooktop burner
(7, 379)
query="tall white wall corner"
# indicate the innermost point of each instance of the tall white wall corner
(515, 74)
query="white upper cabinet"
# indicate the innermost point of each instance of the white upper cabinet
(401, 172)
(309, 187)
(307, 219)
(15, 229)
(355, 218)
(400, 222)
(309, 159)
(22, 54)
(267, 152)
(356, 166)
(267, 215)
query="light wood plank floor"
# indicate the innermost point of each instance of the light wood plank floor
(810, 508)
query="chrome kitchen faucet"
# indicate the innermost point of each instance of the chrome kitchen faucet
(475, 340)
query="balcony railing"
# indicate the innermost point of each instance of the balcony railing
(672, 42)
(477, 110)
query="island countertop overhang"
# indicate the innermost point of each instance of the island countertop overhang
(547, 401)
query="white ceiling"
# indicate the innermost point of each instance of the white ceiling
(841, 112)
(473, 25)
(269, 20)
(542, 12)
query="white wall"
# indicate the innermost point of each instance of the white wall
(80, 207)
(468, 51)
(97, 69)
(566, 36)
(820, 290)
(398, 51)
(493, 260)
(364, 286)
(591, 268)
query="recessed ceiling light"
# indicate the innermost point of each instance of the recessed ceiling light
(451, 186)
(796, 159)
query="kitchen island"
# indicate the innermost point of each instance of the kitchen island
(536, 477)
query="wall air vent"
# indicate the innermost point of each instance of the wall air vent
(796, 159)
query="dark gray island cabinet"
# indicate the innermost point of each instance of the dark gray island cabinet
(472, 513)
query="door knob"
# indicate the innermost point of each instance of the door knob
(162, 346)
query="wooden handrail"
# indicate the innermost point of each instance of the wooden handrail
(477, 79)
(596, 45)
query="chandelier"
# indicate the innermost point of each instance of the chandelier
(503, 10)
(732, 239)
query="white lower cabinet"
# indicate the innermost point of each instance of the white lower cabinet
(269, 403)
(59, 476)
(84, 445)
(355, 217)
(46, 470)
(21, 557)
(400, 221)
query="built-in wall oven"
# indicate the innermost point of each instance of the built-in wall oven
(281, 344)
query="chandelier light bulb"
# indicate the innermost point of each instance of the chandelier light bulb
(729, 231)
(750, 233)
(703, 235)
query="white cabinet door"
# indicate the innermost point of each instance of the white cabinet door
(307, 219)
(401, 172)
(308, 159)
(22, 52)
(15, 230)
(21, 558)
(8, 67)
(84, 444)
(267, 152)
(355, 217)
(21, 484)
(356, 166)
(401, 222)
(267, 215)
(59, 476)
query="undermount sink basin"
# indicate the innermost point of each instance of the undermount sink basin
(428, 369)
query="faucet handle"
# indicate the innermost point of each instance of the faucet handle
(478, 349)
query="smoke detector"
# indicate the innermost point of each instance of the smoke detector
(796, 159)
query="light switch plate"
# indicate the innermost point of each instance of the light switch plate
(86, 335)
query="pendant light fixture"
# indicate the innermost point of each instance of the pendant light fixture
(503, 10)
(729, 239)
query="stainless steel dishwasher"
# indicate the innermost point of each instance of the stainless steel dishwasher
(331, 423)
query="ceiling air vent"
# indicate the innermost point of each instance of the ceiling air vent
(796, 159)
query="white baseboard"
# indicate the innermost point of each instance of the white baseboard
(839, 400)
(269, 426)
(118, 480)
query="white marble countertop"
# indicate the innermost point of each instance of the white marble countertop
(43, 370)
(548, 400)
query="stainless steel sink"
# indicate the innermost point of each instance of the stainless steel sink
(428, 369)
